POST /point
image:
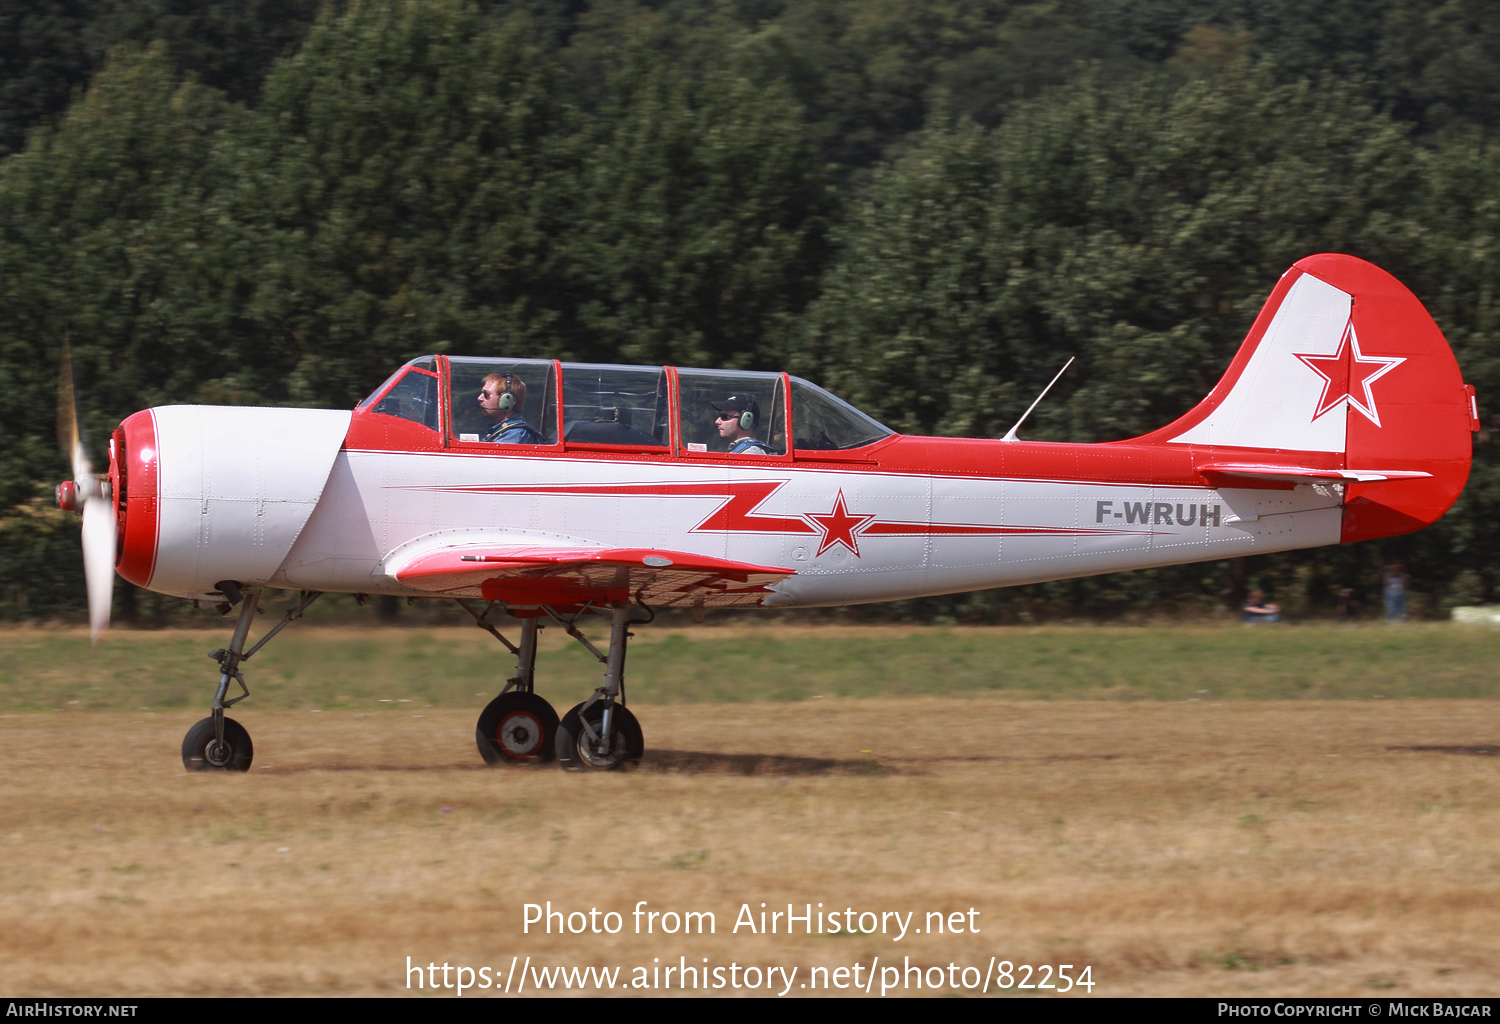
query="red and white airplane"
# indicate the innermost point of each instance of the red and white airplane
(1342, 418)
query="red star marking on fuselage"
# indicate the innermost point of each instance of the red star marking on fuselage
(839, 527)
(1345, 371)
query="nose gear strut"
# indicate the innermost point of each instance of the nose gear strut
(220, 743)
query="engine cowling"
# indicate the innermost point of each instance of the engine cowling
(213, 493)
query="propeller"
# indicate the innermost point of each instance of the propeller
(90, 495)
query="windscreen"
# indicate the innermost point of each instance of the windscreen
(413, 396)
(821, 422)
(428, 363)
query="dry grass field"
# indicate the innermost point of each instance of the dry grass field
(1187, 811)
(1177, 847)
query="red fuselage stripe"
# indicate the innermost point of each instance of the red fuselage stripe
(736, 514)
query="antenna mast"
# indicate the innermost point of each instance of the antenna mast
(1010, 435)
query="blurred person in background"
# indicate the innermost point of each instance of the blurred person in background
(1257, 609)
(1393, 587)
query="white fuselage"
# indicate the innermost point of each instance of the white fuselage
(896, 535)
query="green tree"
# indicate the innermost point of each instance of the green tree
(412, 172)
(704, 219)
(111, 233)
(43, 58)
(1438, 63)
(50, 49)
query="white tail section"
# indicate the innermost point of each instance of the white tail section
(1272, 403)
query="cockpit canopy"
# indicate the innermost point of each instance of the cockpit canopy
(642, 408)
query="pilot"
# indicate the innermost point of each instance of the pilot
(501, 400)
(738, 417)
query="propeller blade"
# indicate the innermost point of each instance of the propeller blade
(98, 507)
(67, 408)
(83, 472)
(67, 423)
(99, 560)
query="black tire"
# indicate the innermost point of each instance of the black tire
(627, 744)
(198, 757)
(516, 727)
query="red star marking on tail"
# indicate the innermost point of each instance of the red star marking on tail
(839, 527)
(1344, 372)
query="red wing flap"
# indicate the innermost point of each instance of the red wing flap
(572, 575)
(1300, 474)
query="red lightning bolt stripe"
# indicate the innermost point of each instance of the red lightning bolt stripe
(735, 515)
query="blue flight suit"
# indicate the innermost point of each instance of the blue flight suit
(514, 431)
(749, 446)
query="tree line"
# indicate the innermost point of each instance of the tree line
(925, 207)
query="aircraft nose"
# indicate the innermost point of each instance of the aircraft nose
(133, 471)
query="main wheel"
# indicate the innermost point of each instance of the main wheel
(516, 726)
(201, 752)
(576, 753)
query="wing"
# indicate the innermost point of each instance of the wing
(526, 575)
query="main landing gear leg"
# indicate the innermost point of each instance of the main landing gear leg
(218, 743)
(517, 725)
(601, 733)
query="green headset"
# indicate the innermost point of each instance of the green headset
(507, 401)
(746, 419)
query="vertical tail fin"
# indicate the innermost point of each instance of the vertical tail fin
(1344, 369)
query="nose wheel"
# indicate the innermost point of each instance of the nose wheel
(515, 727)
(202, 751)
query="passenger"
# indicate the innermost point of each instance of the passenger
(501, 400)
(738, 417)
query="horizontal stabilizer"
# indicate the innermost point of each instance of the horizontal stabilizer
(1300, 474)
(527, 575)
